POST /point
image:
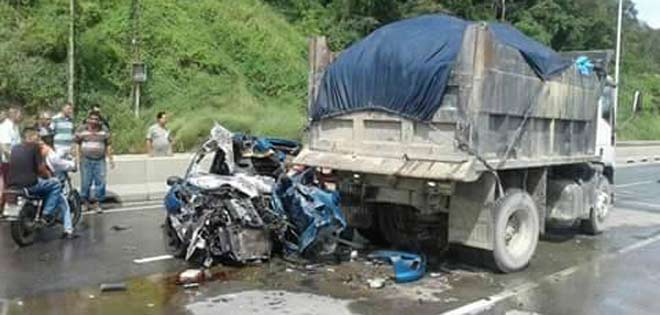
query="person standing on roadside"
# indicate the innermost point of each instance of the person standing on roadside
(104, 120)
(62, 128)
(159, 138)
(43, 127)
(10, 137)
(93, 141)
(10, 134)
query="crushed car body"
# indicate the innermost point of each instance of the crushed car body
(236, 202)
(314, 212)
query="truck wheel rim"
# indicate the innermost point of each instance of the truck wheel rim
(517, 233)
(602, 205)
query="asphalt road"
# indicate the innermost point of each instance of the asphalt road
(614, 273)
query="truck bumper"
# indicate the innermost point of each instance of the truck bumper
(420, 169)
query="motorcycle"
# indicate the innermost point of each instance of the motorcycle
(24, 212)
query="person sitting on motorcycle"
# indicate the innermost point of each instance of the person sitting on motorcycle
(55, 162)
(28, 171)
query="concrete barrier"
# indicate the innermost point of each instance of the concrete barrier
(142, 178)
(635, 152)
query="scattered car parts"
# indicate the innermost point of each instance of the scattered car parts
(408, 267)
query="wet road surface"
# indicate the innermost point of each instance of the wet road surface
(571, 273)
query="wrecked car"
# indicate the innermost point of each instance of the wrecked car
(213, 211)
(237, 201)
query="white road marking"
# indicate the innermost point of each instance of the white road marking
(130, 209)
(487, 303)
(638, 245)
(635, 183)
(152, 259)
(638, 203)
(135, 203)
(4, 310)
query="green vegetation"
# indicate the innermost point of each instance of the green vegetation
(243, 63)
(237, 62)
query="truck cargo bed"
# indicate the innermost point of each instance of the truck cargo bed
(496, 113)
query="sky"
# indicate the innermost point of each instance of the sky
(649, 12)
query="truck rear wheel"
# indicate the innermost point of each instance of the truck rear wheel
(516, 230)
(601, 208)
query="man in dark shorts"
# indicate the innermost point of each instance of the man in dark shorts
(27, 170)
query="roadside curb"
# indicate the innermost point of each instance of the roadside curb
(137, 193)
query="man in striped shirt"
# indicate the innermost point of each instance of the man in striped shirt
(94, 148)
(62, 128)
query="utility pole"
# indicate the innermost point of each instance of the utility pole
(617, 66)
(138, 69)
(500, 10)
(71, 51)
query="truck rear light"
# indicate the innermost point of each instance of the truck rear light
(327, 179)
(441, 188)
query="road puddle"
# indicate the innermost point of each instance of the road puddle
(275, 287)
(271, 303)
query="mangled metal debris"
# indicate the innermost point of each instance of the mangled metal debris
(191, 276)
(314, 213)
(234, 204)
(376, 283)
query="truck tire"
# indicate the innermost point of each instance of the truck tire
(515, 231)
(601, 208)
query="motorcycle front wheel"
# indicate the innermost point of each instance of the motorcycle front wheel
(76, 207)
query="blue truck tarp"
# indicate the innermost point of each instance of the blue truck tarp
(403, 68)
(545, 61)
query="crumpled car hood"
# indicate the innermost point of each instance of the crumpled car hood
(252, 186)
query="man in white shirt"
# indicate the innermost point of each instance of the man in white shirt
(10, 136)
(159, 138)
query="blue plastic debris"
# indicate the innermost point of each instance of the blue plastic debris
(172, 202)
(584, 65)
(314, 212)
(408, 267)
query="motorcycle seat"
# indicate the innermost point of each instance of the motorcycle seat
(19, 192)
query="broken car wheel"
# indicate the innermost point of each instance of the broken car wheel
(516, 230)
(601, 208)
(172, 242)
